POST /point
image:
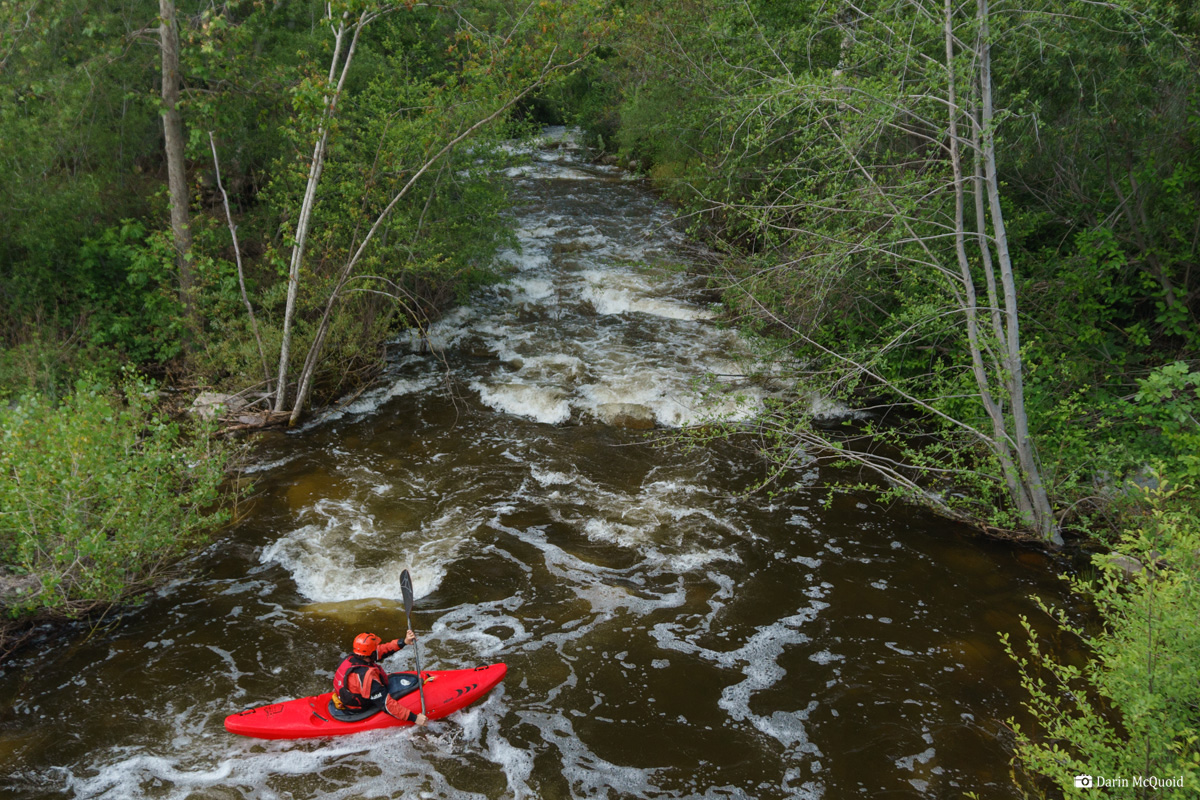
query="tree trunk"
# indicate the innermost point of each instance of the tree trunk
(315, 167)
(181, 232)
(237, 252)
(998, 443)
(1043, 519)
(313, 358)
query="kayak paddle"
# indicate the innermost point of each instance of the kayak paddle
(406, 589)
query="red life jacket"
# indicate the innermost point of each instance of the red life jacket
(351, 700)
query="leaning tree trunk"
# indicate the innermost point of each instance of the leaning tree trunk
(1032, 489)
(181, 232)
(981, 369)
(316, 166)
(304, 386)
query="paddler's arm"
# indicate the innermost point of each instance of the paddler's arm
(403, 714)
(387, 648)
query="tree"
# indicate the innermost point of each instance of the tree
(850, 147)
(77, 122)
(176, 165)
(339, 69)
(1010, 441)
(497, 71)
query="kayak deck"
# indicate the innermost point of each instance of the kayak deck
(446, 691)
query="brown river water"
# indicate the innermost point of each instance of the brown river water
(667, 634)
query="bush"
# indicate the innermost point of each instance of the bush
(1169, 400)
(126, 276)
(100, 494)
(1133, 711)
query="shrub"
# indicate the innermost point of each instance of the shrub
(1169, 400)
(1133, 711)
(100, 493)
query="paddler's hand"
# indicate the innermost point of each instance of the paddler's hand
(420, 720)
(410, 637)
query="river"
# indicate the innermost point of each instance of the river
(668, 634)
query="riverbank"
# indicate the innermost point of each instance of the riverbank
(103, 493)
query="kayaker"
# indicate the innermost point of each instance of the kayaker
(360, 683)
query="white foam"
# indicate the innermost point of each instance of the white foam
(516, 763)
(824, 657)
(550, 477)
(601, 530)
(758, 660)
(269, 465)
(445, 333)
(658, 391)
(526, 260)
(368, 764)
(371, 401)
(910, 762)
(558, 368)
(531, 289)
(590, 582)
(537, 232)
(471, 630)
(787, 726)
(612, 292)
(697, 561)
(543, 404)
(343, 557)
(125, 778)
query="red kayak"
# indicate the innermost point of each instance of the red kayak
(446, 691)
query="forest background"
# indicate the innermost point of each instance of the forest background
(979, 222)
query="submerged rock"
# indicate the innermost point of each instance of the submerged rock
(633, 416)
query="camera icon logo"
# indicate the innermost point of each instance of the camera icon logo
(1084, 782)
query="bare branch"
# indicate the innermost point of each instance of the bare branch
(237, 251)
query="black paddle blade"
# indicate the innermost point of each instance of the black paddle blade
(406, 589)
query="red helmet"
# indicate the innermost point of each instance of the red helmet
(365, 644)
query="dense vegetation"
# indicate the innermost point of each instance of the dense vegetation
(1132, 710)
(101, 495)
(90, 268)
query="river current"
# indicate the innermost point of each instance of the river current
(668, 634)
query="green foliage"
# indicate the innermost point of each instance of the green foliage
(1132, 711)
(803, 141)
(1169, 400)
(1105, 158)
(77, 120)
(125, 279)
(84, 261)
(404, 100)
(47, 361)
(100, 494)
(400, 213)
